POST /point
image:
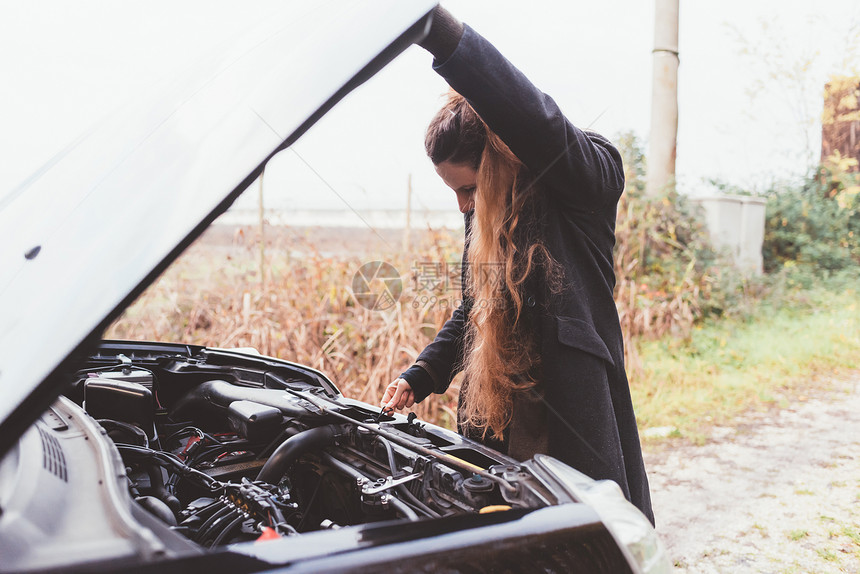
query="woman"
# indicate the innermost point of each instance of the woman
(537, 335)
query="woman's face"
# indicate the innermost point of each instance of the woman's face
(462, 178)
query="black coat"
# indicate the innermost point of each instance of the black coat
(583, 413)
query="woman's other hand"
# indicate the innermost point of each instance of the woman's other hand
(397, 395)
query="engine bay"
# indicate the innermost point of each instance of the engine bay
(223, 448)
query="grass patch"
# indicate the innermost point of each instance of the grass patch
(797, 534)
(725, 367)
(826, 554)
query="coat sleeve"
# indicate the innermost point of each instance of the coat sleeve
(582, 169)
(438, 362)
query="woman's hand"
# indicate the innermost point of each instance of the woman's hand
(444, 35)
(397, 395)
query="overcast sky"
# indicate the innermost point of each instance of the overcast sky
(66, 64)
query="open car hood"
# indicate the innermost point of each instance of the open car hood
(86, 234)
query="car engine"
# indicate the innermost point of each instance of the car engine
(223, 451)
(164, 453)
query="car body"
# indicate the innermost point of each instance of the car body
(168, 457)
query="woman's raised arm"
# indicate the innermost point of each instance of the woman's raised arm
(581, 168)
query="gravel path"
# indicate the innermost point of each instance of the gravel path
(777, 492)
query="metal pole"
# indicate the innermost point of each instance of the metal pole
(408, 214)
(664, 98)
(262, 229)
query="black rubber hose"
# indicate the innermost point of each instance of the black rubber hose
(230, 528)
(135, 453)
(294, 447)
(156, 482)
(157, 508)
(404, 492)
(204, 528)
(402, 508)
(343, 467)
(392, 463)
(218, 526)
(110, 424)
(398, 505)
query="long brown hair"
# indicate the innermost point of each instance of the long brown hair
(506, 252)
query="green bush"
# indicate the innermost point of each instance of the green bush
(669, 277)
(815, 227)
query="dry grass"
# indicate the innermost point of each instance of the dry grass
(305, 311)
(661, 277)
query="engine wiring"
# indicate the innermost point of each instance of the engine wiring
(213, 511)
(375, 428)
(237, 503)
(172, 461)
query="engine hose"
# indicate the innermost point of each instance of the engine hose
(401, 488)
(443, 457)
(402, 508)
(156, 482)
(110, 424)
(131, 452)
(210, 509)
(230, 528)
(404, 492)
(219, 525)
(395, 502)
(343, 467)
(392, 463)
(294, 447)
(282, 436)
(210, 521)
(157, 508)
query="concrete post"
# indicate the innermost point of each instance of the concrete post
(664, 98)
